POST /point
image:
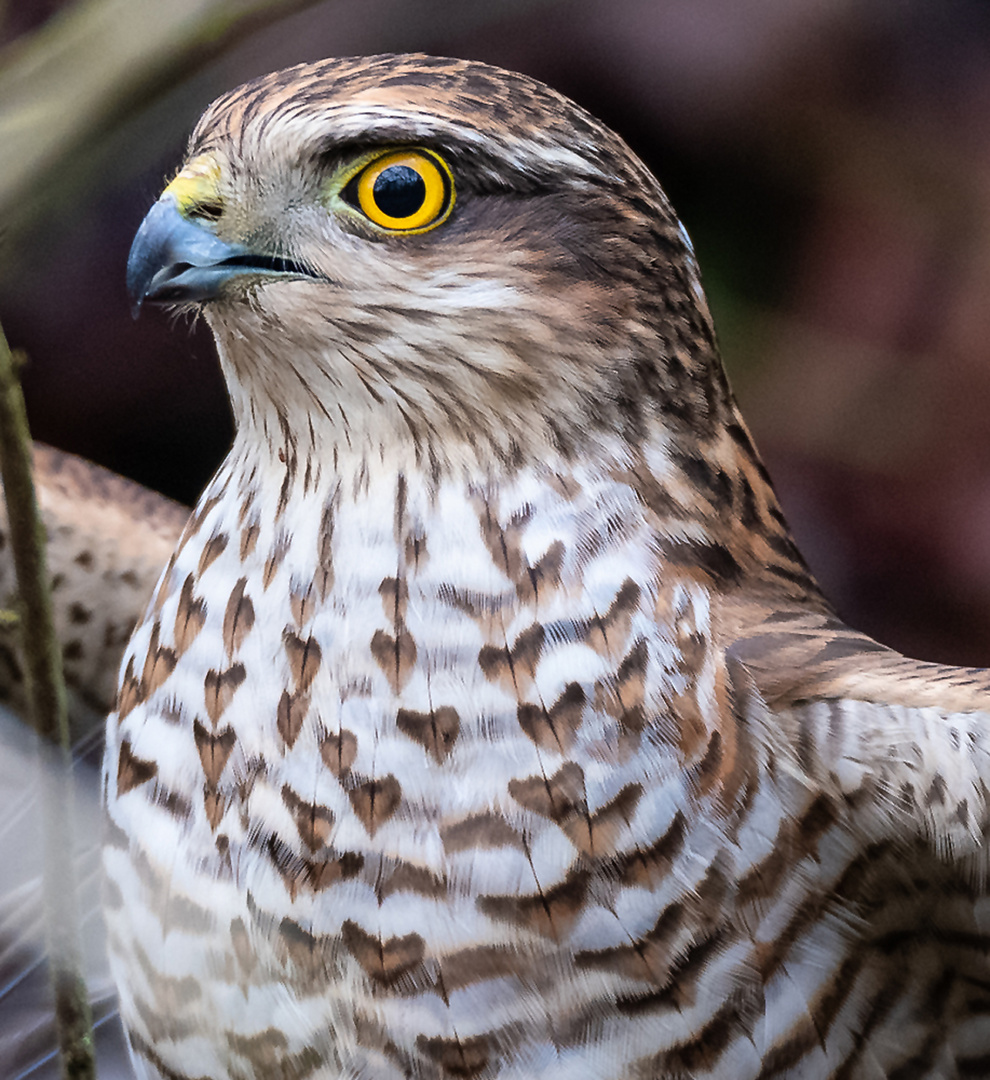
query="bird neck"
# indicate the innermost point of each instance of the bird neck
(310, 417)
(715, 515)
(320, 406)
(499, 398)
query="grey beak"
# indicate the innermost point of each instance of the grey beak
(175, 259)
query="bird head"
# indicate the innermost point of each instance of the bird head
(404, 247)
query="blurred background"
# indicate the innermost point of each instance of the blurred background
(830, 158)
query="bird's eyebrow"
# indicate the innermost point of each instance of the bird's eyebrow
(475, 170)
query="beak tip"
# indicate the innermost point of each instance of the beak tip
(173, 258)
(140, 271)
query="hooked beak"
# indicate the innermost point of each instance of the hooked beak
(175, 258)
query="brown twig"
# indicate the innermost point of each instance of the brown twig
(49, 715)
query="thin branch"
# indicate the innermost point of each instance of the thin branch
(49, 715)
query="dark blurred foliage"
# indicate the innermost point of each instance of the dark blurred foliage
(830, 158)
(21, 18)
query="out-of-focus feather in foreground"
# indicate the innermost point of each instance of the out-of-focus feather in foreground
(27, 1031)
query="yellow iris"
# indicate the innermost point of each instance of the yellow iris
(406, 190)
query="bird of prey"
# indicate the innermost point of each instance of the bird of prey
(486, 721)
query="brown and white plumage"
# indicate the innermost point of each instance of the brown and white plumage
(486, 721)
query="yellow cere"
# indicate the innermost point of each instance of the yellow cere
(197, 185)
(432, 199)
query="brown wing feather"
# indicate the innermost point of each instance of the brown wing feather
(903, 746)
(108, 539)
(797, 654)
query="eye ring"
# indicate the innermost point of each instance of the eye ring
(408, 191)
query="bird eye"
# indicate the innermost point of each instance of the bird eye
(405, 190)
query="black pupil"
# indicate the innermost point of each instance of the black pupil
(399, 191)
